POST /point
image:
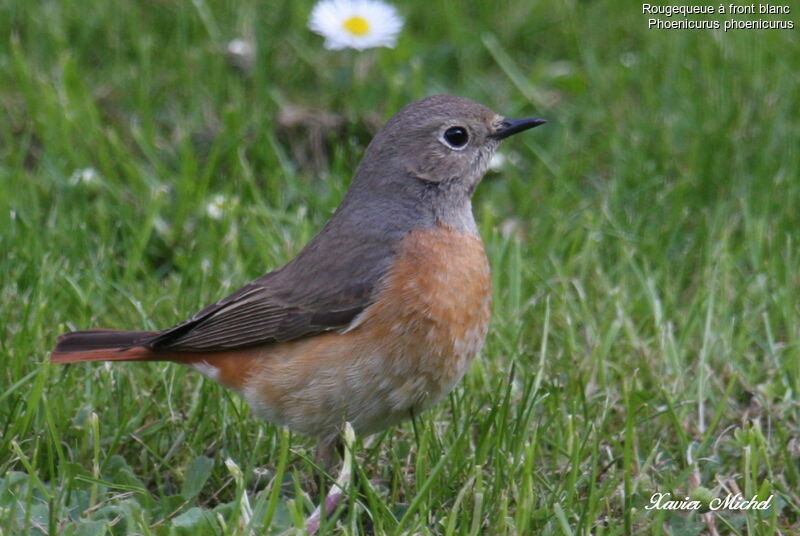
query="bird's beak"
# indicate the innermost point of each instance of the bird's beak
(512, 126)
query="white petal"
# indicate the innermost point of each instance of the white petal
(328, 18)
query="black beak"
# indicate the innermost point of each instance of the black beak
(511, 126)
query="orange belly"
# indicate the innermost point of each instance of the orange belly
(401, 354)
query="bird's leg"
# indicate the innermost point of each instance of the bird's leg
(325, 454)
(324, 457)
(325, 462)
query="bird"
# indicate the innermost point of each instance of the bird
(380, 314)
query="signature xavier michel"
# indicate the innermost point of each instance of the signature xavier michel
(663, 501)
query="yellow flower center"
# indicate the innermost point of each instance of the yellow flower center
(356, 25)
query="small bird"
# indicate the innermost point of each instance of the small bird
(379, 315)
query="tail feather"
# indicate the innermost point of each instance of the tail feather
(103, 345)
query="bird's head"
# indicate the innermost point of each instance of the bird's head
(440, 141)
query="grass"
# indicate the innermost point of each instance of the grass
(646, 330)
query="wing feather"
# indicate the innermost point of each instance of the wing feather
(316, 292)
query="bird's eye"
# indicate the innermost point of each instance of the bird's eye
(456, 137)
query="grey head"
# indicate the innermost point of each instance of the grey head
(424, 165)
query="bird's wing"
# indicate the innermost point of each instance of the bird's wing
(322, 289)
(255, 315)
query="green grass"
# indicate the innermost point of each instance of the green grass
(646, 330)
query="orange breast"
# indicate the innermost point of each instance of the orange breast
(436, 300)
(404, 352)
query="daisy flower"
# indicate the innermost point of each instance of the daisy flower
(358, 24)
(241, 53)
(497, 162)
(218, 205)
(84, 176)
